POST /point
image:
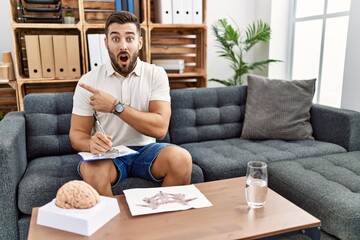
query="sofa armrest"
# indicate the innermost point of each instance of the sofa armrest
(339, 126)
(13, 162)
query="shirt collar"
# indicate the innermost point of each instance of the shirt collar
(110, 70)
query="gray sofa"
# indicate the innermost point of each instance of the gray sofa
(321, 175)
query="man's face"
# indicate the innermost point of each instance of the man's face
(123, 44)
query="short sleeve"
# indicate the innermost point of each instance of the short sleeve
(160, 87)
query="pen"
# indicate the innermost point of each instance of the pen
(102, 131)
(99, 124)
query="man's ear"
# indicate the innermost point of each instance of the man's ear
(106, 42)
(140, 43)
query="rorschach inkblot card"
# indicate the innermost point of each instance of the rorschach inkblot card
(143, 201)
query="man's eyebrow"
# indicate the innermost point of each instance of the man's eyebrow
(126, 33)
(130, 33)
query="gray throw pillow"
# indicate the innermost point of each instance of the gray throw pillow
(278, 109)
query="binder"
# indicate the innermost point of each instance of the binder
(197, 12)
(94, 50)
(125, 5)
(163, 11)
(73, 55)
(47, 55)
(177, 11)
(33, 56)
(118, 5)
(137, 9)
(130, 6)
(61, 66)
(188, 11)
(103, 50)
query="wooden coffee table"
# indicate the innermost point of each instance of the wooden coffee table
(228, 218)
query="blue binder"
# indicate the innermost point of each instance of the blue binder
(118, 5)
(130, 5)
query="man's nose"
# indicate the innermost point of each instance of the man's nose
(123, 45)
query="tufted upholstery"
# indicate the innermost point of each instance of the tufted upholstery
(48, 123)
(327, 186)
(221, 159)
(207, 114)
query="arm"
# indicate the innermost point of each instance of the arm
(153, 123)
(339, 126)
(13, 163)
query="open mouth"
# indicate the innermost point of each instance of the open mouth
(124, 58)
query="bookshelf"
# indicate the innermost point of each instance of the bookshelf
(161, 41)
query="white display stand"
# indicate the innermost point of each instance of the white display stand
(80, 221)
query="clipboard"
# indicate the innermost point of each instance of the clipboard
(118, 151)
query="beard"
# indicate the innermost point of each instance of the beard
(121, 69)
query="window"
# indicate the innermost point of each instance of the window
(319, 46)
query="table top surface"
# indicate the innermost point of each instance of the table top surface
(228, 218)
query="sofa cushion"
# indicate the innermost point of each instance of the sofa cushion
(221, 159)
(328, 187)
(206, 114)
(278, 109)
(48, 124)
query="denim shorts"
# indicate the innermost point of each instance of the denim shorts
(137, 165)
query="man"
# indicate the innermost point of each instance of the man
(132, 101)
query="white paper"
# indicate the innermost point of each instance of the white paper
(164, 199)
(120, 151)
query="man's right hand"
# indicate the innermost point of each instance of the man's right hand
(100, 143)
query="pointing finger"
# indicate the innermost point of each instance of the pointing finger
(89, 88)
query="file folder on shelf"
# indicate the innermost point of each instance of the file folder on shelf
(103, 50)
(73, 55)
(47, 55)
(137, 9)
(163, 11)
(33, 56)
(125, 5)
(94, 50)
(188, 11)
(118, 5)
(197, 12)
(130, 6)
(177, 11)
(61, 66)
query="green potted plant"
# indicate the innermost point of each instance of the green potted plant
(234, 46)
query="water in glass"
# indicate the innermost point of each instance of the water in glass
(256, 184)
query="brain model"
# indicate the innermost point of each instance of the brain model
(77, 194)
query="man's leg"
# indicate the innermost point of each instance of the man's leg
(100, 175)
(174, 165)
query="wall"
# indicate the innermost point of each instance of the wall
(6, 43)
(351, 84)
(242, 12)
(280, 39)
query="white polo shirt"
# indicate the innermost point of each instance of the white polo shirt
(145, 83)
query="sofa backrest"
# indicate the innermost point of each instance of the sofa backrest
(48, 124)
(205, 114)
(200, 114)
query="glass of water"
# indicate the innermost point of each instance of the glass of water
(256, 184)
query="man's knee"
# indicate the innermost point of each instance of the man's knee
(181, 161)
(96, 171)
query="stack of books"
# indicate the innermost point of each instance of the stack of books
(171, 65)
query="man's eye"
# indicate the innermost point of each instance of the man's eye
(129, 39)
(115, 39)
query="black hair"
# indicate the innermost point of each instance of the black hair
(122, 17)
